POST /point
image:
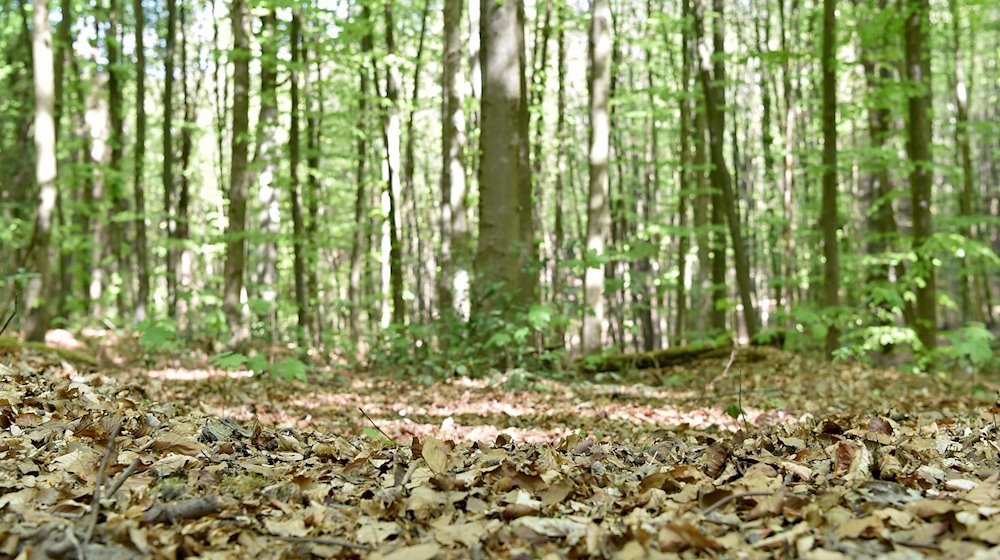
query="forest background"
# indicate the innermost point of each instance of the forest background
(446, 186)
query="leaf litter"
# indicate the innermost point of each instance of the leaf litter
(824, 461)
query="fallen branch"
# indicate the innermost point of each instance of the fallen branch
(95, 503)
(129, 471)
(729, 364)
(376, 425)
(323, 541)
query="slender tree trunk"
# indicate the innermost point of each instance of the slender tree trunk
(295, 188)
(360, 232)
(971, 303)
(116, 184)
(313, 128)
(265, 166)
(684, 188)
(182, 229)
(557, 206)
(918, 72)
(392, 196)
(598, 207)
(98, 122)
(715, 103)
(239, 179)
(829, 219)
(139, 161)
(409, 163)
(168, 153)
(36, 321)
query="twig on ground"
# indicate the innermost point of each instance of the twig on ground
(129, 471)
(376, 425)
(95, 503)
(323, 541)
(729, 364)
(732, 497)
(11, 318)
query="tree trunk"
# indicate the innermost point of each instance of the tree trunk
(265, 166)
(295, 188)
(184, 252)
(313, 128)
(409, 191)
(971, 303)
(557, 207)
(598, 207)
(139, 160)
(453, 286)
(684, 188)
(505, 254)
(239, 179)
(829, 219)
(361, 193)
(715, 102)
(36, 321)
(168, 152)
(116, 184)
(393, 190)
(918, 72)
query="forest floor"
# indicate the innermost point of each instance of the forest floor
(174, 459)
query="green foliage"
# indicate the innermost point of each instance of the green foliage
(158, 335)
(447, 348)
(285, 369)
(972, 347)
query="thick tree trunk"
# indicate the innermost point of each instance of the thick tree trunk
(918, 72)
(505, 255)
(36, 321)
(453, 285)
(598, 205)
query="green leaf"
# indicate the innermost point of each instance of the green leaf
(289, 369)
(229, 360)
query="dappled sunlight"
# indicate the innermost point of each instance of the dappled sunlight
(182, 374)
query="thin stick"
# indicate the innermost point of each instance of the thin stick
(11, 318)
(95, 503)
(376, 425)
(729, 364)
(322, 540)
(129, 471)
(732, 497)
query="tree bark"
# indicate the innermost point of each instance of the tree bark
(239, 179)
(265, 169)
(829, 219)
(505, 256)
(139, 161)
(168, 153)
(598, 205)
(454, 280)
(361, 193)
(295, 188)
(36, 321)
(715, 102)
(918, 72)
(391, 135)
